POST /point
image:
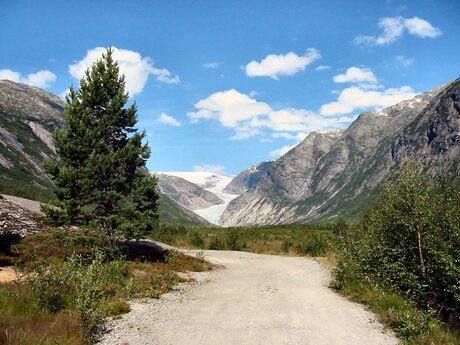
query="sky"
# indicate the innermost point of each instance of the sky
(222, 85)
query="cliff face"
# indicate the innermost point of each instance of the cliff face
(340, 173)
(247, 179)
(28, 116)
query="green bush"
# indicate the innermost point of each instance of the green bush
(317, 244)
(197, 240)
(233, 240)
(409, 242)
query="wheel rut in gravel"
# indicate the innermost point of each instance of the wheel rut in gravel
(254, 299)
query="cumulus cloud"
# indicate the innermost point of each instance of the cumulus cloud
(169, 120)
(42, 79)
(211, 65)
(249, 117)
(229, 107)
(281, 151)
(394, 27)
(356, 75)
(216, 169)
(136, 68)
(355, 98)
(322, 67)
(274, 66)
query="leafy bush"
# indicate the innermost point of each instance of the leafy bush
(409, 242)
(77, 284)
(233, 240)
(316, 244)
(197, 240)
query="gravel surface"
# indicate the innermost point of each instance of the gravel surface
(255, 299)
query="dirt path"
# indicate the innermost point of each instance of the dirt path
(256, 299)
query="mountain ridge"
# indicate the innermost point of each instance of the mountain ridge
(324, 178)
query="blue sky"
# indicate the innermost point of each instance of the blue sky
(221, 85)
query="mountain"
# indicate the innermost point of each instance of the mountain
(173, 213)
(28, 115)
(187, 194)
(247, 179)
(207, 180)
(213, 183)
(341, 173)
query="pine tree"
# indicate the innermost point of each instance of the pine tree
(101, 177)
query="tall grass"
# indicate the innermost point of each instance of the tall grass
(75, 285)
(311, 240)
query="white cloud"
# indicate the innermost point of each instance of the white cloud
(249, 117)
(403, 61)
(356, 75)
(136, 68)
(394, 27)
(169, 120)
(355, 98)
(216, 169)
(322, 67)
(211, 65)
(42, 79)
(253, 93)
(274, 66)
(289, 136)
(422, 28)
(282, 151)
(229, 107)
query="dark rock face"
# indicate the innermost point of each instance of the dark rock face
(247, 179)
(341, 173)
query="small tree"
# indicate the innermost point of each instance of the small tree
(101, 177)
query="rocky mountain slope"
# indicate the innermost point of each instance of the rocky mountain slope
(28, 115)
(186, 194)
(247, 179)
(340, 173)
(212, 183)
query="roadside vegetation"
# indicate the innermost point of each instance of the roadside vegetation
(402, 260)
(310, 240)
(69, 283)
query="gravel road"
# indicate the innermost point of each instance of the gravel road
(255, 299)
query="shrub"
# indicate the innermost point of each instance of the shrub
(233, 240)
(197, 240)
(409, 242)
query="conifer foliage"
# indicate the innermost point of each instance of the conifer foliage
(101, 177)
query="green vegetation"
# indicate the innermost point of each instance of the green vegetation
(70, 282)
(101, 176)
(312, 240)
(402, 259)
(21, 178)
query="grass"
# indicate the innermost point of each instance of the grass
(411, 325)
(311, 240)
(77, 283)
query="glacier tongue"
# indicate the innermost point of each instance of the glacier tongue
(212, 214)
(213, 183)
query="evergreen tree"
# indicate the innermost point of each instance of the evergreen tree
(101, 178)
